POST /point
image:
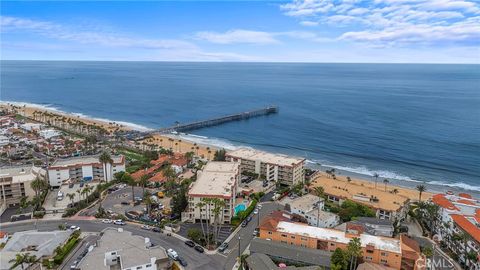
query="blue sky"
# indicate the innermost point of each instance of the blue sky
(389, 31)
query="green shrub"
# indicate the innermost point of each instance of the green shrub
(63, 251)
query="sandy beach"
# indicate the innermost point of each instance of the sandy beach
(380, 190)
(171, 141)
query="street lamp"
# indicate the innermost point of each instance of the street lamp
(239, 249)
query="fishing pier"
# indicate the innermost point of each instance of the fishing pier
(218, 121)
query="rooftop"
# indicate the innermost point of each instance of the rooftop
(265, 157)
(305, 203)
(84, 160)
(21, 173)
(131, 249)
(290, 252)
(381, 243)
(468, 225)
(362, 192)
(37, 243)
(216, 179)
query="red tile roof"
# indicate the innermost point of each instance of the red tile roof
(271, 221)
(443, 202)
(466, 202)
(138, 174)
(158, 177)
(467, 226)
(3, 234)
(465, 195)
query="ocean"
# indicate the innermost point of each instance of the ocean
(410, 123)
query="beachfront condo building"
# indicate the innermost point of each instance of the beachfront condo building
(458, 227)
(390, 252)
(15, 184)
(84, 168)
(274, 167)
(387, 205)
(217, 180)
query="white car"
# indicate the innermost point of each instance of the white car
(172, 254)
(119, 222)
(255, 211)
(107, 221)
(146, 227)
(74, 228)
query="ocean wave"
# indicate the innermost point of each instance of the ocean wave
(203, 140)
(456, 185)
(51, 107)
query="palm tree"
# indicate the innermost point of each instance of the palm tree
(375, 175)
(421, 189)
(128, 179)
(354, 250)
(200, 206)
(38, 185)
(20, 259)
(79, 191)
(148, 202)
(144, 182)
(218, 205)
(207, 202)
(319, 192)
(71, 197)
(105, 158)
(385, 181)
(85, 192)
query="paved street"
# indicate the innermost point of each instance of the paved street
(195, 260)
(246, 234)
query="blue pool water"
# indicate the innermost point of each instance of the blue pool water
(239, 208)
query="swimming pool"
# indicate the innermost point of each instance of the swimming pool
(239, 208)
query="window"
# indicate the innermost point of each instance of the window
(332, 244)
(269, 232)
(383, 261)
(284, 235)
(139, 267)
(148, 265)
(384, 254)
(368, 258)
(293, 236)
(304, 238)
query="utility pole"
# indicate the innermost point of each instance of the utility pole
(239, 249)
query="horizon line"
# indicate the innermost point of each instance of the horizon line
(245, 62)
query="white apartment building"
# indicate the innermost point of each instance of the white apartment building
(275, 167)
(217, 180)
(311, 208)
(83, 168)
(15, 184)
(459, 215)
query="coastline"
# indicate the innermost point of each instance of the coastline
(206, 147)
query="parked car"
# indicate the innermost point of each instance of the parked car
(146, 227)
(244, 223)
(156, 229)
(82, 184)
(249, 218)
(119, 222)
(172, 254)
(107, 221)
(189, 243)
(70, 185)
(182, 261)
(255, 232)
(199, 249)
(74, 265)
(255, 212)
(125, 203)
(223, 247)
(74, 228)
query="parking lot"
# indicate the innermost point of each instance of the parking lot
(120, 201)
(52, 202)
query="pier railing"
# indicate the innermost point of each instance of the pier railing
(218, 121)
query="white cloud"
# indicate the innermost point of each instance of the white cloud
(150, 49)
(309, 23)
(395, 22)
(237, 36)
